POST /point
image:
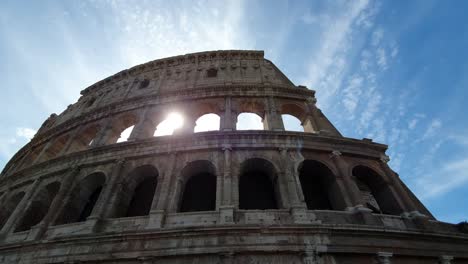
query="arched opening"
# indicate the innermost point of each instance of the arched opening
(318, 186)
(375, 192)
(122, 128)
(292, 123)
(171, 123)
(84, 139)
(257, 185)
(144, 84)
(199, 191)
(55, 148)
(39, 207)
(83, 198)
(249, 121)
(125, 134)
(207, 122)
(9, 207)
(295, 118)
(137, 194)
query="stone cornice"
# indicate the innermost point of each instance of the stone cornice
(191, 58)
(259, 140)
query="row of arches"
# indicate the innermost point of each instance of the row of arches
(209, 116)
(258, 189)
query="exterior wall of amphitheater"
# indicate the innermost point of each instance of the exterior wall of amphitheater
(70, 195)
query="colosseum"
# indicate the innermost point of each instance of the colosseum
(81, 191)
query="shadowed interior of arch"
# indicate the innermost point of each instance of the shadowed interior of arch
(39, 207)
(9, 207)
(138, 191)
(82, 199)
(376, 193)
(199, 191)
(316, 184)
(256, 186)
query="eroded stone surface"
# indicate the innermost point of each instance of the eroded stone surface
(74, 195)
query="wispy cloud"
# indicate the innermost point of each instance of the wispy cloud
(329, 60)
(452, 175)
(150, 31)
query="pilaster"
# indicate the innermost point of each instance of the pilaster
(228, 117)
(56, 206)
(105, 198)
(348, 188)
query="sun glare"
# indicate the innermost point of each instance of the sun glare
(171, 123)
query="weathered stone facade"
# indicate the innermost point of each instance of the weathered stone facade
(74, 195)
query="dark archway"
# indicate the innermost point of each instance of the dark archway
(83, 199)
(141, 185)
(39, 207)
(257, 183)
(9, 207)
(375, 192)
(317, 182)
(199, 191)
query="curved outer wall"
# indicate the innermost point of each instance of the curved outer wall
(75, 195)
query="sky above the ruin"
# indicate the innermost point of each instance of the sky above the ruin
(393, 71)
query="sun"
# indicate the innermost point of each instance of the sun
(172, 122)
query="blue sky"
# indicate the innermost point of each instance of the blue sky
(394, 71)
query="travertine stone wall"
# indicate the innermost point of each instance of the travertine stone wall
(65, 195)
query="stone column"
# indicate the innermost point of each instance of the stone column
(161, 197)
(102, 204)
(298, 206)
(101, 137)
(272, 119)
(56, 206)
(445, 259)
(311, 257)
(226, 209)
(43, 150)
(308, 123)
(228, 117)
(20, 209)
(138, 131)
(175, 186)
(289, 177)
(348, 188)
(188, 126)
(384, 257)
(70, 140)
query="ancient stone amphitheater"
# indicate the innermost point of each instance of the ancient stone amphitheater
(81, 192)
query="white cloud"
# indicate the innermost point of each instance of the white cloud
(27, 133)
(352, 93)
